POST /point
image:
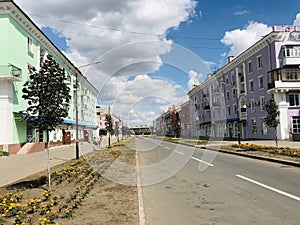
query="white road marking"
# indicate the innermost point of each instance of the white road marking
(268, 187)
(199, 160)
(142, 216)
(179, 152)
(166, 147)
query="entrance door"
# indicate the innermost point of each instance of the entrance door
(67, 137)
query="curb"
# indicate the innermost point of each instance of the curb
(285, 162)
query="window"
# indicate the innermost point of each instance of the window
(228, 109)
(262, 103)
(254, 127)
(234, 92)
(296, 124)
(251, 87)
(30, 70)
(227, 95)
(290, 74)
(235, 109)
(232, 78)
(259, 62)
(43, 55)
(252, 104)
(29, 45)
(294, 99)
(264, 127)
(291, 51)
(260, 82)
(226, 79)
(250, 67)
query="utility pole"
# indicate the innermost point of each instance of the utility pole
(239, 119)
(109, 130)
(76, 106)
(76, 116)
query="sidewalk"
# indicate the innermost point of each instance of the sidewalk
(220, 147)
(291, 144)
(216, 146)
(16, 167)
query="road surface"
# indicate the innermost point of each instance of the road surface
(214, 188)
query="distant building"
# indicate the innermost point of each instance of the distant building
(175, 122)
(101, 123)
(23, 46)
(184, 116)
(230, 103)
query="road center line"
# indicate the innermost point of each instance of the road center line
(178, 152)
(268, 187)
(199, 160)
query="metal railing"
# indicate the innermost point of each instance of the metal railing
(10, 72)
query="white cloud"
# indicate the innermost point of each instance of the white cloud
(297, 20)
(239, 13)
(239, 40)
(144, 97)
(127, 36)
(195, 78)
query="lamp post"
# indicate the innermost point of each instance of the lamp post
(76, 105)
(238, 117)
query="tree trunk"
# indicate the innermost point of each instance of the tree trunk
(276, 138)
(48, 160)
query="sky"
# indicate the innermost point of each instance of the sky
(153, 51)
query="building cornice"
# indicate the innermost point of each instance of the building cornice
(8, 7)
(264, 42)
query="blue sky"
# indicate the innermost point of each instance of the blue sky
(153, 51)
(215, 17)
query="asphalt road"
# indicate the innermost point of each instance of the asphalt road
(183, 185)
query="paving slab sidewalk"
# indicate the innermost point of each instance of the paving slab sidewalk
(16, 167)
(215, 145)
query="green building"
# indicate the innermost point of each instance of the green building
(24, 45)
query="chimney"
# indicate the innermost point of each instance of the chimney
(230, 58)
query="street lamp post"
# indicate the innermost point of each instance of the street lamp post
(239, 119)
(76, 106)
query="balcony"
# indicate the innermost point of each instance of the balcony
(216, 104)
(291, 55)
(291, 61)
(243, 116)
(10, 72)
(206, 107)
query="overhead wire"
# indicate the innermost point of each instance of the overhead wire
(127, 31)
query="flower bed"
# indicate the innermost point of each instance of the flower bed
(286, 151)
(3, 153)
(32, 203)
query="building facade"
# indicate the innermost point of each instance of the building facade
(175, 122)
(230, 103)
(23, 46)
(101, 124)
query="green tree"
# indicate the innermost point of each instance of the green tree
(271, 120)
(109, 127)
(47, 95)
